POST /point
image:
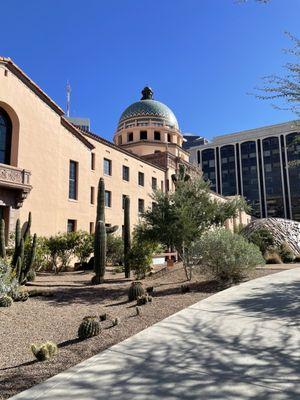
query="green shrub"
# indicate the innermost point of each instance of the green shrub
(84, 246)
(61, 249)
(140, 258)
(286, 253)
(262, 238)
(227, 256)
(115, 250)
(42, 255)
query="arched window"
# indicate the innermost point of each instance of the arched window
(5, 137)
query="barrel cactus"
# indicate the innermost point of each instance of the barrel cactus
(6, 301)
(45, 351)
(89, 327)
(136, 290)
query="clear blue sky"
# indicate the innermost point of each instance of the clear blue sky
(201, 57)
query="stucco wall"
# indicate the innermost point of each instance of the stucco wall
(42, 145)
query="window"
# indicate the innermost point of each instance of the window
(107, 166)
(92, 227)
(92, 195)
(126, 173)
(107, 198)
(141, 179)
(154, 183)
(141, 205)
(156, 135)
(143, 135)
(130, 137)
(169, 138)
(73, 180)
(5, 137)
(123, 200)
(162, 186)
(119, 140)
(71, 225)
(93, 161)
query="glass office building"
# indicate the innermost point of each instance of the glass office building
(263, 165)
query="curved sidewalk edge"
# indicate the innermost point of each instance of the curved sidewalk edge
(239, 344)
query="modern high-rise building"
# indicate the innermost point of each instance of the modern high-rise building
(260, 164)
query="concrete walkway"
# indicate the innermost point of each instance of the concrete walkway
(242, 343)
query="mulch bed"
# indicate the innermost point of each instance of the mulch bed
(56, 317)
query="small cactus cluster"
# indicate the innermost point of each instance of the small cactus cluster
(103, 317)
(89, 327)
(45, 351)
(19, 295)
(135, 290)
(185, 289)
(144, 299)
(6, 301)
(116, 321)
(101, 233)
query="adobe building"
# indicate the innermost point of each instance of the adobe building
(51, 167)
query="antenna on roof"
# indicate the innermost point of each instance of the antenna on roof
(68, 98)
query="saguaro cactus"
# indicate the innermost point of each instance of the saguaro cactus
(127, 241)
(101, 233)
(21, 262)
(99, 253)
(101, 207)
(2, 239)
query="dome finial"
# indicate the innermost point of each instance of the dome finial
(147, 93)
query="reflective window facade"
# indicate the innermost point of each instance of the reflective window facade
(250, 176)
(293, 158)
(209, 167)
(266, 171)
(5, 137)
(273, 177)
(228, 172)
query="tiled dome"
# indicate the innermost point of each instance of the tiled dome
(147, 107)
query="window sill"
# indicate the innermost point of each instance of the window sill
(73, 200)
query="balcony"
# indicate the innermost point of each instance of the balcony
(14, 185)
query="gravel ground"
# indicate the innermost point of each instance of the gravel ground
(57, 318)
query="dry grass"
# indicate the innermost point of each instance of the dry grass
(57, 318)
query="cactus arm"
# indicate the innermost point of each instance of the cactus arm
(28, 263)
(2, 239)
(101, 201)
(127, 240)
(111, 229)
(28, 226)
(100, 252)
(17, 243)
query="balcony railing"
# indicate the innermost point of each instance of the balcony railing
(14, 176)
(14, 180)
